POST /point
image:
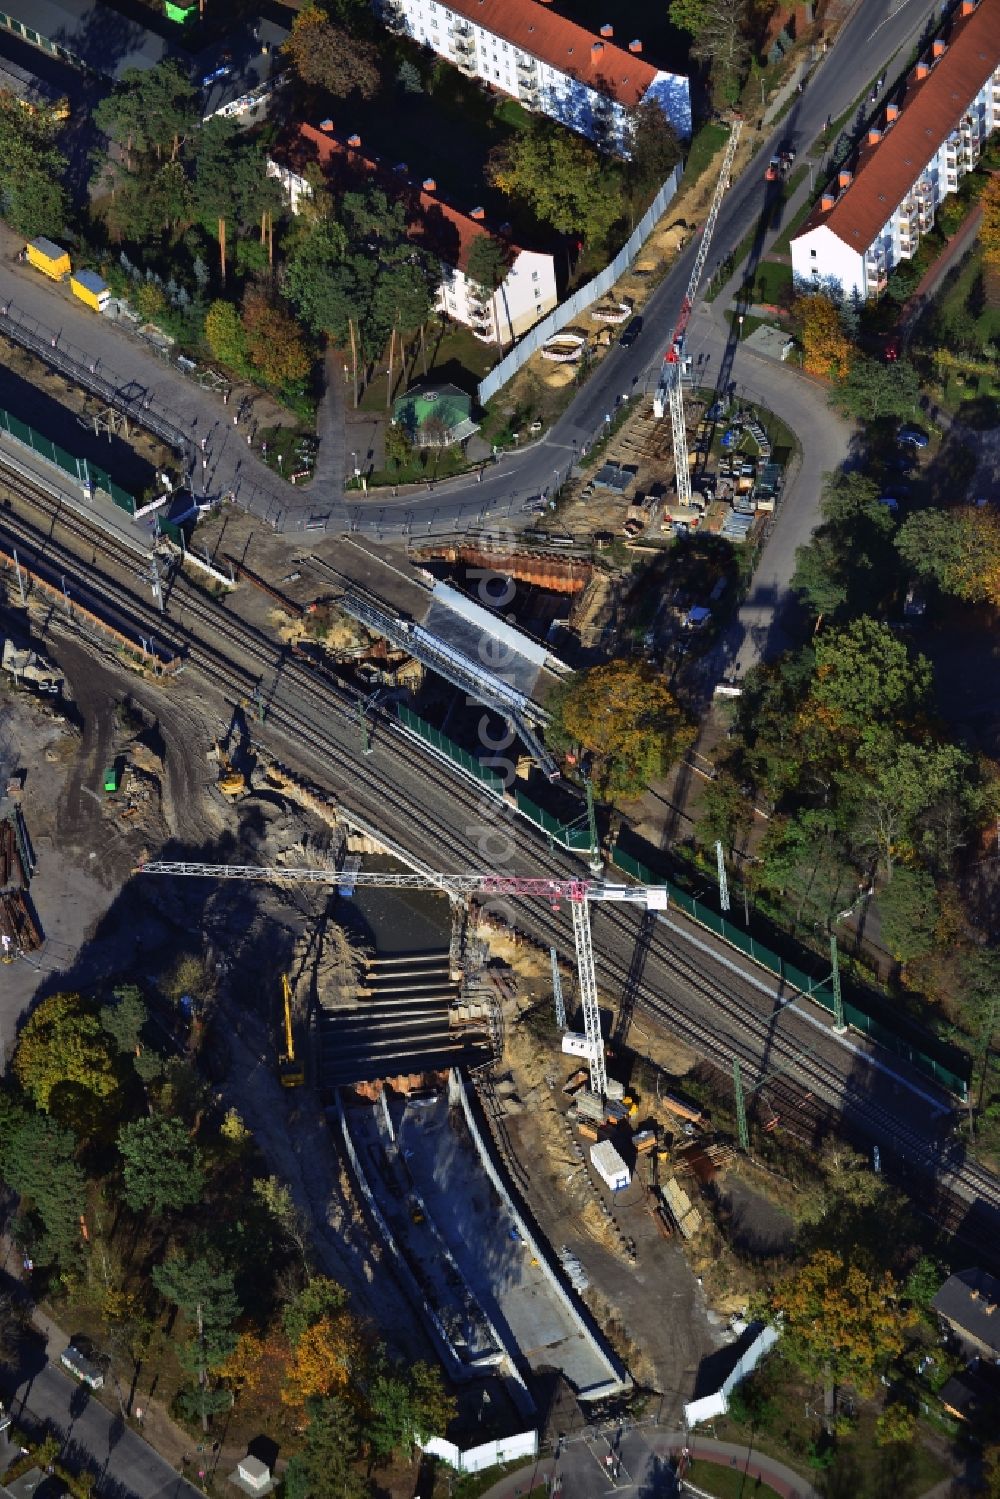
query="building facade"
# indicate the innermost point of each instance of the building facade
(873, 215)
(527, 292)
(550, 64)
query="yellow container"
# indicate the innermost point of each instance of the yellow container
(89, 287)
(48, 258)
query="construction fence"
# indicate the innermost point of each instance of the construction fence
(584, 296)
(81, 469)
(855, 1012)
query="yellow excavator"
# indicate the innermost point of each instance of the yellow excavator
(290, 1070)
(231, 782)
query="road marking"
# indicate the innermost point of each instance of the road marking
(87, 792)
(890, 17)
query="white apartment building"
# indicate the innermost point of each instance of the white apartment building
(528, 290)
(548, 63)
(873, 215)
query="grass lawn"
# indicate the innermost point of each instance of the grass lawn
(770, 281)
(957, 294)
(706, 143)
(727, 1483)
(783, 244)
(454, 357)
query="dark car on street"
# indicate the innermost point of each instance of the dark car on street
(630, 333)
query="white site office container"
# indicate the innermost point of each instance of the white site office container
(609, 1165)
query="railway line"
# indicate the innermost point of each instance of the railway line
(720, 1018)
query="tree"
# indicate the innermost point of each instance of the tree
(865, 678)
(626, 717)
(924, 1282)
(655, 149)
(39, 1163)
(323, 1359)
(873, 389)
(989, 229)
(230, 186)
(276, 1199)
(204, 1292)
(125, 1017)
(327, 1465)
(826, 348)
(62, 1049)
(488, 262)
(897, 1423)
(325, 56)
(961, 551)
(843, 1323)
(320, 1297)
(909, 912)
(192, 976)
(318, 280)
(32, 171)
(561, 177)
(274, 341)
(161, 1164)
(719, 33)
(150, 109)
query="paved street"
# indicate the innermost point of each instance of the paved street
(645, 1468)
(39, 1394)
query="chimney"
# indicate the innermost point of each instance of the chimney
(354, 141)
(607, 31)
(921, 70)
(478, 214)
(429, 185)
(596, 49)
(827, 202)
(939, 48)
(635, 46)
(844, 178)
(326, 126)
(874, 136)
(968, 6)
(891, 113)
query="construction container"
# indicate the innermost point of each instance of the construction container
(575, 1081)
(688, 1111)
(575, 1045)
(609, 1166)
(587, 1131)
(644, 1142)
(91, 289)
(48, 258)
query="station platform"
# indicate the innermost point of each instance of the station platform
(15, 458)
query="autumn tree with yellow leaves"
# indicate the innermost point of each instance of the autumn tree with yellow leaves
(624, 716)
(826, 347)
(843, 1321)
(958, 549)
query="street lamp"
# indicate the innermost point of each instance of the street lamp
(739, 319)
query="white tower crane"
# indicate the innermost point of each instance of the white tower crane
(579, 893)
(669, 393)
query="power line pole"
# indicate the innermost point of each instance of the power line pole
(557, 990)
(838, 1003)
(596, 864)
(723, 881)
(741, 1112)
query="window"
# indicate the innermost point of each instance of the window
(506, 47)
(534, 275)
(812, 254)
(496, 72)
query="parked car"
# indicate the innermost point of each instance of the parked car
(890, 503)
(913, 437)
(630, 333)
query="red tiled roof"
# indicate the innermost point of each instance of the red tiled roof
(535, 28)
(442, 228)
(930, 109)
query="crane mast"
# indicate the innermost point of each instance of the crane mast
(669, 392)
(579, 893)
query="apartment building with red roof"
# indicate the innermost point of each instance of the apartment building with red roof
(527, 292)
(873, 215)
(552, 65)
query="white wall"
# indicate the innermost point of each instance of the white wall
(487, 1455)
(834, 267)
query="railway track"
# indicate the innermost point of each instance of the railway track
(719, 1018)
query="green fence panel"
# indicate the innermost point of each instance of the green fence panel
(562, 833)
(448, 747)
(66, 461)
(173, 531)
(19, 429)
(121, 497)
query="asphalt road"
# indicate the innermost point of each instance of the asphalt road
(39, 1395)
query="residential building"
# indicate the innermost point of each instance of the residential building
(872, 216)
(969, 1304)
(528, 290)
(549, 63)
(233, 74)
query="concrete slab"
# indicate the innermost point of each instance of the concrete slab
(482, 1234)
